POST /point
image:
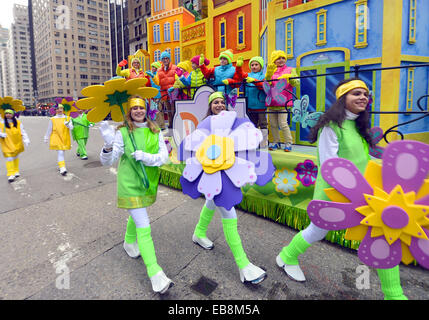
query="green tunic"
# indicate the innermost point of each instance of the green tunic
(130, 190)
(351, 146)
(80, 127)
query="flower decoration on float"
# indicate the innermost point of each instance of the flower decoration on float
(387, 208)
(221, 156)
(306, 172)
(112, 97)
(10, 103)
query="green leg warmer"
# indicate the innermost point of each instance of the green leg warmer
(130, 234)
(297, 246)
(206, 216)
(147, 251)
(82, 147)
(391, 284)
(233, 239)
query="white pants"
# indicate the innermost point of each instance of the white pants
(60, 155)
(226, 214)
(313, 233)
(140, 217)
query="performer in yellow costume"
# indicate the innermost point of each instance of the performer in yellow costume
(58, 135)
(13, 137)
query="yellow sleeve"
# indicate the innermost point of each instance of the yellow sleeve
(156, 80)
(294, 82)
(122, 73)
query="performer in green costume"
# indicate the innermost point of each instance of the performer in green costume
(152, 152)
(80, 133)
(342, 132)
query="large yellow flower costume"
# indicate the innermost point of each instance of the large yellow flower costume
(10, 103)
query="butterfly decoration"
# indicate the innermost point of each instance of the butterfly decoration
(176, 94)
(275, 97)
(153, 110)
(376, 135)
(300, 113)
(231, 98)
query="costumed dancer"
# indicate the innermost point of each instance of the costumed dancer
(183, 69)
(196, 77)
(215, 76)
(13, 137)
(80, 133)
(165, 78)
(224, 191)
(152, 152)
(278, 69)
(341, 132)
(135, 71)
(59, 137)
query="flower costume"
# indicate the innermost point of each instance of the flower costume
(13, 137)
(221, 157)
(140, 150)
(80, 134)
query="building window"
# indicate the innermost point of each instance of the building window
(289, 38)
(176, 27)
(412, 23)
(410, 89)
(177, 55)
(156, 36)
(361, 24)
(321, 28)
(167, 32)
(240, 31)
(222, 34)
(157, 55)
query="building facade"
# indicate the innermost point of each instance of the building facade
(119, 32)
(4, 37)
(138, 12)
(71, 46)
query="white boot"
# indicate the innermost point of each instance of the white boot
(293, 271)
(205, 243)
(63, 171)
(253, 274)
(160, 282)
(264, 142)
(132, 249)
(11, 178)
(17, 175)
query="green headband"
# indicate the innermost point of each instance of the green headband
(216, 95)
(9, 111)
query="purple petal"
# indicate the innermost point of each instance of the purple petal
(419, 248)
(423, 201)
(377, 253)
(221, 124)
(242, 172)
(193, 141)
(405, 163)
(238, 122)
(192, 169)
(210, 184)
(333, 215)
(264, 166)
(190, 188)
(230, 195)
(343, 175)
(205, 124)
(246, 137)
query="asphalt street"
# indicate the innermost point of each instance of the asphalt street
(62, 239)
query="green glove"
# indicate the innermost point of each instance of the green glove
(201, 59)
(239, 61)
(250, 80)
(225, 81)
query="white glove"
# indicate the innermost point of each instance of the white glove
(3, 134)
(26, 143)
(46, 139)
(67, 123)
(140, 155)
(108, 134)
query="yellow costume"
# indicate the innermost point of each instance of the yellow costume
(12, 145)
(60, 134)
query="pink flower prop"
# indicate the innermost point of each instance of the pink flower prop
(387, 208)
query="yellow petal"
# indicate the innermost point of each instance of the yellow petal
(86, 103)
(424, 190)
(373, 174)
(406, 238)
(365, 210)
(356, 233)
(93, 91)
(98, 114)
(336, 196)
(376, 232)
(117, 114)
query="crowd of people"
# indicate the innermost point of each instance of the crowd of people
(342, 132)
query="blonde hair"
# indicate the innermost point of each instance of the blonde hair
(131, 126)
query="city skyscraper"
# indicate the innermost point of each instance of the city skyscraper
(4, 37)
(138, 12)
(119, 34)
(19, 56)
(71, 46)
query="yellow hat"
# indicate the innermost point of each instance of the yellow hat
(185, 65)
(277, 54)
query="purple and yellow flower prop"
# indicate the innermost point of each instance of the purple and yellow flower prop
(306, 172)
(387, 208)
(112, 97)
(69, 107)
(10, 103)
(221, 156)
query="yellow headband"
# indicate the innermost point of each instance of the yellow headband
(136, 102)
(346, 87)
